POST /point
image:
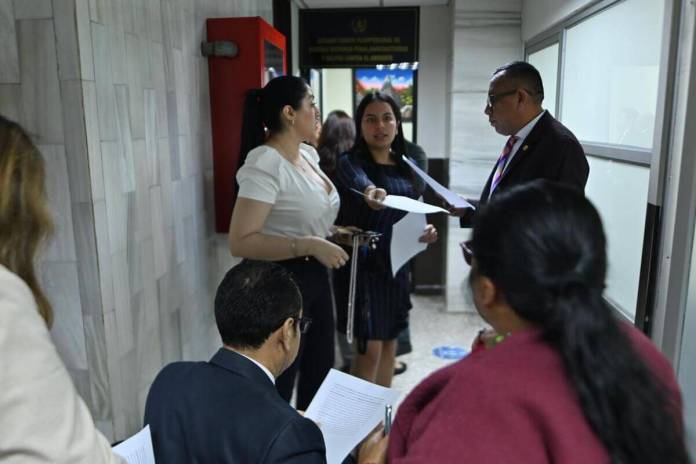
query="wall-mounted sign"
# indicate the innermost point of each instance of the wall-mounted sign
(358, 37)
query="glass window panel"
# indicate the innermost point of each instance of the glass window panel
(687, 366)
(620, 192)
(611, 74)
(546, 61)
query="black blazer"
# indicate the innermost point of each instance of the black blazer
(226, 411)
(550, 152)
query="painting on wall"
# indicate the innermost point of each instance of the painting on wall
(397, 83)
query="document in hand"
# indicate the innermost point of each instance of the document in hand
(446, 194)
(347, 409)
(404, 242)
(407, 204)
(137, 449)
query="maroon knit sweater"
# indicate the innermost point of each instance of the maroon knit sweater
(510, 404)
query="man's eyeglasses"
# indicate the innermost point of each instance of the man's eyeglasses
(494, 98)
(467, 251)
(303, 323)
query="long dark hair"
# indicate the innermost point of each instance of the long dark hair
(543, 246)
(398, 146)
(337, 137)
(263, 107)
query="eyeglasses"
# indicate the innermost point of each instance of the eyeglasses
(467, 251)
(494, 98)
(303, 323)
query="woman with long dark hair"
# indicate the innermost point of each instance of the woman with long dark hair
(337, 137)
(570, 383)
(375, 166)
(285, 210)
(42, 417)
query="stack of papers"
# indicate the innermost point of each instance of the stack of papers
(346, 409)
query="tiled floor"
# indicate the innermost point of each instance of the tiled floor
(431, 327)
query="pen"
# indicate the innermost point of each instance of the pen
(387, 419)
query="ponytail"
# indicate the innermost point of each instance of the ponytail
(263, 107)
(544, 247)
(620, 397)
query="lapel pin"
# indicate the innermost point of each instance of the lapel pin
(524, 148)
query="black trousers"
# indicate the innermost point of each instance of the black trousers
(316, 354)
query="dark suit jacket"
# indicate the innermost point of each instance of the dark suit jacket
(226, 411)
(550, 152)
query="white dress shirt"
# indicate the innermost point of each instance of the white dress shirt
(261, 366)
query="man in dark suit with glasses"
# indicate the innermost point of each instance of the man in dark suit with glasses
(228, 409)
(538, 146)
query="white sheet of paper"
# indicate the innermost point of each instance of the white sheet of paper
(407, 204)
(446, 194)
(347, 409)
(404, 242)
(410, 205)
(137, 449)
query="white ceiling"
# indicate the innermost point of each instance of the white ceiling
(366, 3)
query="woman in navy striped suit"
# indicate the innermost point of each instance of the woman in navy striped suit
(374, 166)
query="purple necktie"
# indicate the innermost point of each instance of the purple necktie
(502, 161)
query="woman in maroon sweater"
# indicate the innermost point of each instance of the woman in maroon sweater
(570, 383)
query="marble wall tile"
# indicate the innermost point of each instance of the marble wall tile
(119, 60)
(122, 297)
(9, 56)
(161, 257)
(174, 155)
(143, 220)
(488, 7)
(75, 135)
(62, 245)
(99, 385)
(33, 9)
(103, 75)
(91, 115)
(127, 12)
(11, 101)
(171, 22)
(159, 84)
(135, 82)
(41, 103)
(167, 205)
(59, 280)
(116, 202)
(141, 18)
(66, 39)
(84, 39)
(478, 51)
(129, 378)
(154, 16)
(123, 123)
(151, 142)
(101, 230)
(97, 10)
(86, 251)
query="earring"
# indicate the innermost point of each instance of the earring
(292, 121)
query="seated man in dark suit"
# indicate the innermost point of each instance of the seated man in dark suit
(228, 410)
(538, 146)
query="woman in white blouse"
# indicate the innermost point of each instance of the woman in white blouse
(284, 212)
(42, 418)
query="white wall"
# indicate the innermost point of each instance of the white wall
(539, 15)
(434, 53)
(337, 91)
